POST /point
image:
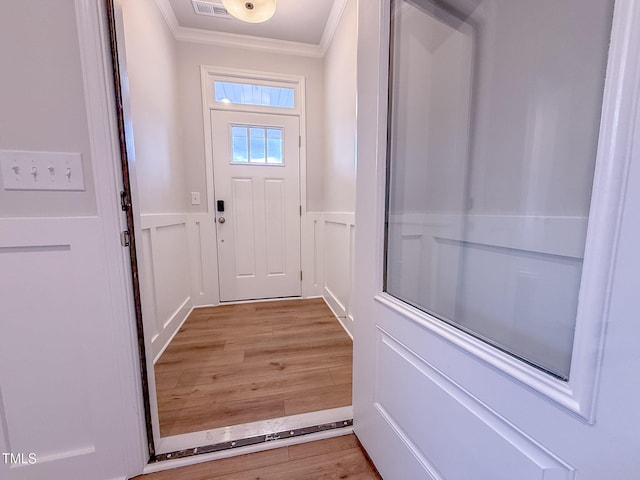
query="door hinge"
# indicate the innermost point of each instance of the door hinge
(125, 203)
(300, 210)
(300, 275)
(300, 141)
(125, 238)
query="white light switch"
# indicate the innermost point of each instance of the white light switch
(41, 170)
(195, 198)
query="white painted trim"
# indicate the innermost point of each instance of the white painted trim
(165, 328)
(237, 432)
(620, 118)
(223, 39)
(494, 422)
(203, 258)
(334, 305)
(169, 16)
(342, 309)
(296, 82)
(344, 218)
(312, 254)
(335, 15)
(207, 72)
(95, 57)
(155, 220)
(172, 327)
(208, 37)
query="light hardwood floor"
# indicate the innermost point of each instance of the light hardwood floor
(248, 362)
(335, 458)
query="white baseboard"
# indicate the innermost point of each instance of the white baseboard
(171, 328)
(338, 311)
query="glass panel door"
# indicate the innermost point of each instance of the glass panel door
(494, 119)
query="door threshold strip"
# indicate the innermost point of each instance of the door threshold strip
(254, 440)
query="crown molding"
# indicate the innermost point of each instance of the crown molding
(169, 16)
(208, 37)
(332, 24)
(196, 35)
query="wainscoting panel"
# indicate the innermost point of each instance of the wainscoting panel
(55, 315)
(339, 231)
(167, 276)
(312, 254)
(203, 259)
(444, 438)
(179, 267)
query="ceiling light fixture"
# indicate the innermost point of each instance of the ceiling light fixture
(252, 11)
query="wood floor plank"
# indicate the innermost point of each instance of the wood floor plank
(341, 375)
(317, 398)
(201, 376)
(226, 466)
(208, 416)
(337, 444)
(331, 459)
(292, 353)
(350, 465)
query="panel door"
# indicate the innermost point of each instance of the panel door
(257, 202)
(497, 214)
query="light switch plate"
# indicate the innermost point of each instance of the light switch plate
(23, 170)
(195, 198)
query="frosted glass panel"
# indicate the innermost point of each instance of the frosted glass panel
(494, 118)
(248, 94)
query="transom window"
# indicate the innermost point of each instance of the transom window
(252, 94)
(256, 145)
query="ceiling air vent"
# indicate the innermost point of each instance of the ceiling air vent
(210, 9)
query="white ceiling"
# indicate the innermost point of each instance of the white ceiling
(300, 21)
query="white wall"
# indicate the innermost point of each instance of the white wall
(336, 232)
(158, 170)
(340, 115)
(69, 386)
(40, 106)
(192, 55)
(545, 165)
(152, 73)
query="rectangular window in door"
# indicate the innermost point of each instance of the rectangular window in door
(493, 128)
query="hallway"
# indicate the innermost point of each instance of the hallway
(247, 362)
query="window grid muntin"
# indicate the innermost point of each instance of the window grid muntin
(267, 140)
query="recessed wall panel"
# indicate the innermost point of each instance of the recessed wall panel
(336, 245)
(171, 269)
(244, 231)
(45, 400)
(275, 237)
(445, 425)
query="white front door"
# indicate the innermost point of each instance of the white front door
(257, 202)
(496, 306)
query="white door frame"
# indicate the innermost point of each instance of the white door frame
(234, 244)
(208, 74)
